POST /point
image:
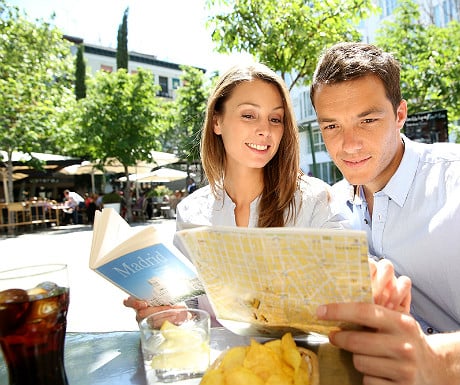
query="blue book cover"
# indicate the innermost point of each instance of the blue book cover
(140, 263)
(155, 274)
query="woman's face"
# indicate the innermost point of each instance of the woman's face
(251, 124)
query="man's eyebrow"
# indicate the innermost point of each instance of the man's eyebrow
(325, 120)
(372, 110)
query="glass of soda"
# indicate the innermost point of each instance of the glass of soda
(33, 307)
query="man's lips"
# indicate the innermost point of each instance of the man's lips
(355, 163)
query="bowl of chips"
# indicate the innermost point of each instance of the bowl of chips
(276, 362)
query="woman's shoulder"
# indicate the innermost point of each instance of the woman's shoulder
(198, 196)
(315, 206)
(195, 208)
(313, 187)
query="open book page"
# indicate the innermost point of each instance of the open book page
(267, 281)
(109, 230)
(139, 263)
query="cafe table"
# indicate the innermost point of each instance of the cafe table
(115, 358)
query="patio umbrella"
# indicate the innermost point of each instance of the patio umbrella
(22, 170)
(113, 166)
(162, 175)
(16, 176)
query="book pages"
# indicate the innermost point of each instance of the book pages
(269, 281)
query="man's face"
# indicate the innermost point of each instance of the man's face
(360, 130)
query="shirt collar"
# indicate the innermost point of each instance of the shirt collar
(400, 183)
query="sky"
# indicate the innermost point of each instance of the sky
(172, 30)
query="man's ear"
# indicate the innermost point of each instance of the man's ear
(401, 114)
(216, 124)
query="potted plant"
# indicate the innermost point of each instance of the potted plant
(112, 200)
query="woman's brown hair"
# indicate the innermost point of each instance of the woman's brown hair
(276, 204)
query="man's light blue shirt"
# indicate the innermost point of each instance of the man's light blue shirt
(416, 225)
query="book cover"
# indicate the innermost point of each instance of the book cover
(268, 281)
(139, 263)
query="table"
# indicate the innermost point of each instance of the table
(115, 358)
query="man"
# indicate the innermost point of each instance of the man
(74, 202)
(406, 196)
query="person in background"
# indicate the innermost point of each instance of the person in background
(174, 201)
(250, 156)
(91, 207)
(191, 185)
(73, 202)
(406, 196)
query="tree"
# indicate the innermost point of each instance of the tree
(121, 118)
(188, 111)
(429, 57)
(286, 35)
(35, 85)
(80, 73)
(122, 42)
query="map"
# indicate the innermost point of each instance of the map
(267, 281)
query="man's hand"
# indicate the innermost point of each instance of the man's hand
(389, 291)
(393, 349)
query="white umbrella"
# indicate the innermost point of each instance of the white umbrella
(162, 175)
(16, 176)
(113, 166)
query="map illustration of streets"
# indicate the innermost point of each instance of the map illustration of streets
(269, 281)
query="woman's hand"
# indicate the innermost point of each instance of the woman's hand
(143, 309)
(389, 291)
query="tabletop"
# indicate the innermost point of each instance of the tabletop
(115, 358)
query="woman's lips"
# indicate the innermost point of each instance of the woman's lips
(258, 147)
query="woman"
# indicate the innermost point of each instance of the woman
(250, 156)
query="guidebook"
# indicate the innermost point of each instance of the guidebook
(139, 263)
(269, 281)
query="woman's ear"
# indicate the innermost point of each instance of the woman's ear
(216, 124)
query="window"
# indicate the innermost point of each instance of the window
(175, 83)
(106, 68)
(318, 141)
(163, 81)
(308, 109)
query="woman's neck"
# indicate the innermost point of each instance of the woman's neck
(243, 187)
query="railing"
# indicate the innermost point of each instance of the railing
(22, 214)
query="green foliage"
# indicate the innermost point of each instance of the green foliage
(188, 111)
(429, 57)
(112, 197)
(80, 73)
(121, 118)
(158, 192)
(122, 42)
(36, 83)
(286, 35)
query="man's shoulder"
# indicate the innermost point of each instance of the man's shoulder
(435, 152)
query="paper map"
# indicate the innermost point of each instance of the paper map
(267, 281)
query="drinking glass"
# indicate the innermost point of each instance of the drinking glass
(175, 345)
(33, 307)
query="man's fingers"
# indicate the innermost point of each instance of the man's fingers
(364, 314)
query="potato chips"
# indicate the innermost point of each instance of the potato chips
(277, 362)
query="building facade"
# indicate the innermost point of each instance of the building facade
(166, 74)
